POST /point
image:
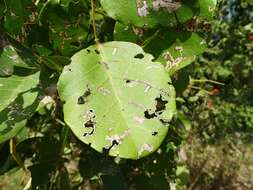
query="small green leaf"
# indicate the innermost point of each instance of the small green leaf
(17, 12)
(19, 99)
(9, 58)
(184, 120)
(184, 14)
(124, 33)
(67, 28)
(207, 9)
(176, 49)
(117, 99)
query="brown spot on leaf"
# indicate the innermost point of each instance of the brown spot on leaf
(96, 51)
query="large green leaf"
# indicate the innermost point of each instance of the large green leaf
(19, 99)
(150, 13)
(19, 90)
(9, 58)
(140, 13)
(117, 99)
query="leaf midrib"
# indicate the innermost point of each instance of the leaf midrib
(104, 60)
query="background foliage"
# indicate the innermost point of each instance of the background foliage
(209, 144)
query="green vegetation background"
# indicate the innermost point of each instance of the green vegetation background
(215, 152)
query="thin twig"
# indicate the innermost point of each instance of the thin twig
(199, 88)
(14, 154)
(205, 80)
(196, 179)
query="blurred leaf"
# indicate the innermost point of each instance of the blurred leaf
(63, 182)
(15, 178)
(114, 182)
(16, 106)
(16, 14)
(207, 9)
(124, 33)
(183, 174)
(46, 148)
(175, 49)
(9, 57)
(19, 90)
(41, 174)
(184, 120)
(42, 51)
(181, 81)
(68, 29)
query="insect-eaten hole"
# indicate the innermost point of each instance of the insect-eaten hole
(154, 133)
(83, 99)
(164, 122)
(160, 104)
(147, 115)
(107, 150)
(139, 56)
(160, 107)
(128, 81)
(88, 51)
(89, 124)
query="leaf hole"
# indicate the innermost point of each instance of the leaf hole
(154, 133)
(160, 104)
(89, 124)
(160, 107)
(81, 100)
(147, 115)
(96, 51)
(139, 56)
(107, 150)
